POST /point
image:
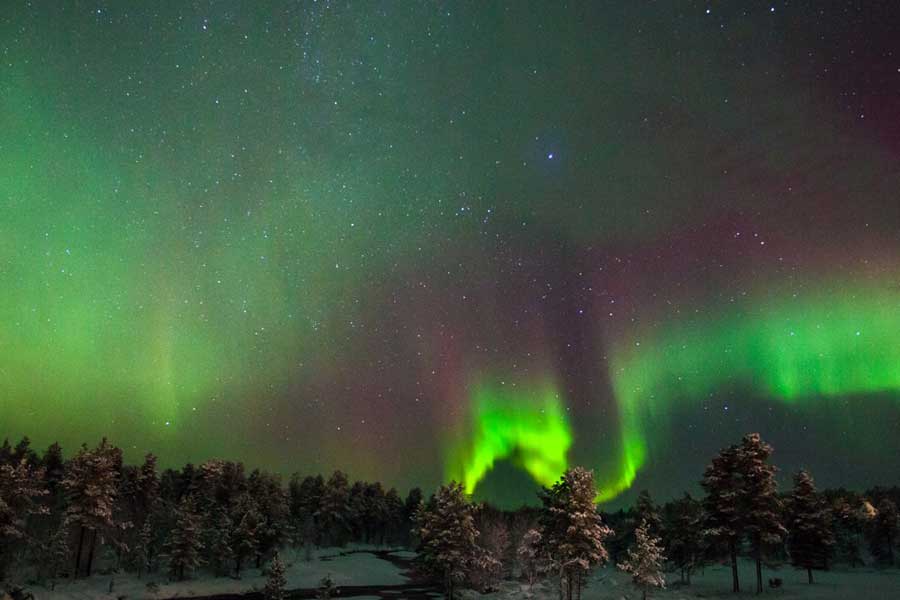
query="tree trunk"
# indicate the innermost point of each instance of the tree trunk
(643, 594)
(809, 573)
(90, 558)
(759, 587)
(78, 552)
(689, 575)
(735, 583)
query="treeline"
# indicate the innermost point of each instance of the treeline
(742, 513)
(62, 516)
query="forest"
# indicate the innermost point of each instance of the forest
(65, 518)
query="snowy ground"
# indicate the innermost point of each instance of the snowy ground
(362, 568)
(715, 582)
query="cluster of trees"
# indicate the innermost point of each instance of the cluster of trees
(566, 539)
(61, 516)
(741, 514)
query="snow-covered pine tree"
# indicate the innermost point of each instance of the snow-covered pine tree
(58, 555)
(723, 524)
(486, 570)
(275, 581)
(648, 513)
(21, 489)
(220, 554)
(529, 554)
(91, 491)
(274, 512)
(760, 501)
(684, 535)
(849, 520)
(305, 499)
(572, 530)
(333, 514)
(644, 562)
(244, 542)
(885, 529)
(54, 473)
(184, 544)
(448, 535)
(375, 513)
(142, 550)
(356, 516)
(810, 537)
(395, 526)
(23, 451)
(6, 452)
(326, 588)
(148, 489)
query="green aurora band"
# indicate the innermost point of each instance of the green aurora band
(526, 425)
(797, 351)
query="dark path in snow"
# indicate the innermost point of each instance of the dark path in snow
(405, 591)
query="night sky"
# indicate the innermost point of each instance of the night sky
(482, 241)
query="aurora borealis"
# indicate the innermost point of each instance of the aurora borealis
(483, 241)
(526, 426)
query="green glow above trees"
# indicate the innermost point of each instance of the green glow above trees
(525, 425)
(795, 350)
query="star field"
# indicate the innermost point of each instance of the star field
(319, 235)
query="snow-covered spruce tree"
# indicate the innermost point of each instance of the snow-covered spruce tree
(91, 485)
(884, 530)
(275, 581)
(760, 501)
(572, 530)
(810, 537)
(448, 535)
(529, 554)
(21, 489)
(684, 535)
(645, 559)
(184, 544)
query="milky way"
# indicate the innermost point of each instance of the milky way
(454, 240)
